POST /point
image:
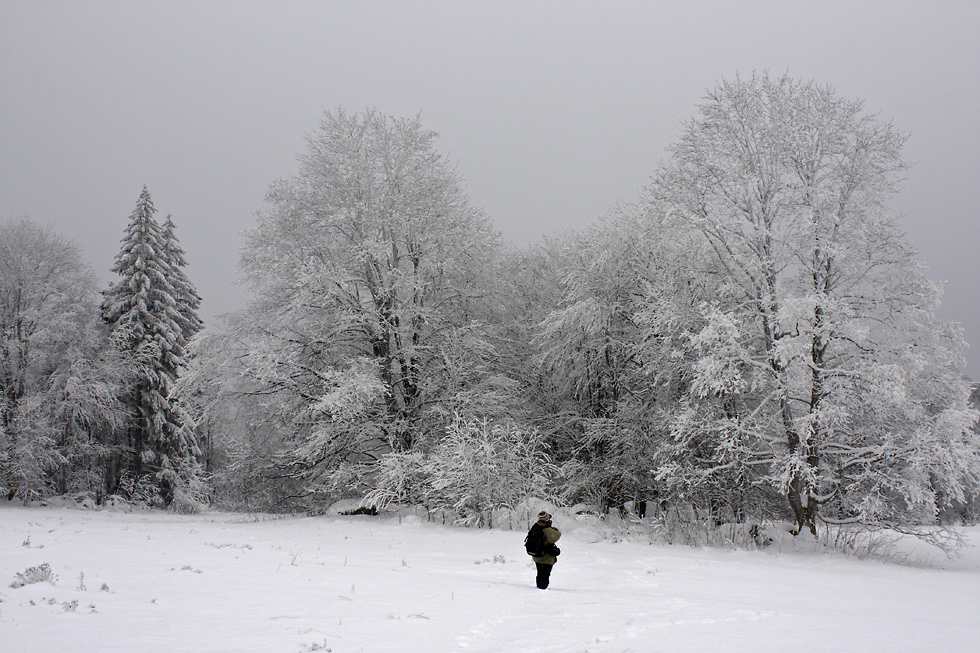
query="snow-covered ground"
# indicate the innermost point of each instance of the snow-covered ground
(152, 581)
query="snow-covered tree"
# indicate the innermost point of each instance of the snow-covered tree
(239, 435)
(821, 354)
(584, 344)
(85, 399)
(370, 262)
(584, 351)
(143, 311)
(185, 294)
(60, 390)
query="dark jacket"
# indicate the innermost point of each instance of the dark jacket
(551, 535)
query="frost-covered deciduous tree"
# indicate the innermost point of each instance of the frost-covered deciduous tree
(144, 313)
(43, 281)
(584, 352)
(240, 436)
(584, 343)
(822, 354)
(629, 287)
(87, 405)
(370, 262)
(57, 371)
(530, 287)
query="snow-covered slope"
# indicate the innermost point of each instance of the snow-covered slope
(151, 581)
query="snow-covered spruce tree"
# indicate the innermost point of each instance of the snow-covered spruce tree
(821, 358)
(372, 275)
(185, 294)
(143, 312)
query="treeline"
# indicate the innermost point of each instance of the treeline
(753, 338)
(90, 405)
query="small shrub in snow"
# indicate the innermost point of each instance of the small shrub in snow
(140, 490)
(477, 469)
(191, 493)
(184, 504)
(33, 575)
(496, 559)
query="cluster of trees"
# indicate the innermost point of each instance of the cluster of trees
(752, 338)
(89, 387)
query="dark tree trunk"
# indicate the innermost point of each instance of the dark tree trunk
(805, 513)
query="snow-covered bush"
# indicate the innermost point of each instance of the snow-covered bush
(139, 490)
(400, 478)
(40, 574)
(192, 489)
(478, 467)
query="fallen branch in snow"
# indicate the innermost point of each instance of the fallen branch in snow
(948, 540)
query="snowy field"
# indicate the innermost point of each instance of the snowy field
(153, 581)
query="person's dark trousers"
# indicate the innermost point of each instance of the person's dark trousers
(544, 575)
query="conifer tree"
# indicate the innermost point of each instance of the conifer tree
(185, 294)
(143, 312)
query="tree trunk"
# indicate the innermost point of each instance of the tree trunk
(804, 507)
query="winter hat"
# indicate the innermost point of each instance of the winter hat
(544, 516)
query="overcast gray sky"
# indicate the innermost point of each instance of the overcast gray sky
(553, 110)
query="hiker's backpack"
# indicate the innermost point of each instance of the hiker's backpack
(536, 545)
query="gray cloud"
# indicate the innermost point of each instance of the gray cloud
(553, 110)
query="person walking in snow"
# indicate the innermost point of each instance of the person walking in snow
(540, 545)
